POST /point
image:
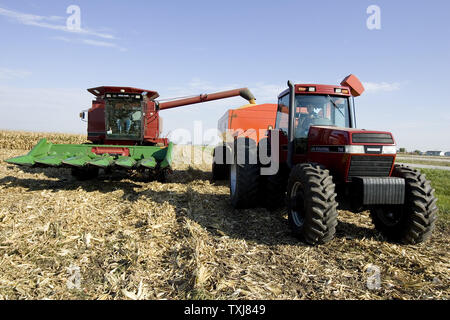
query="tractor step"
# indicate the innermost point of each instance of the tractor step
(48, 154)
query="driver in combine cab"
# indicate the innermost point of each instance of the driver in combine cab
(122, 117)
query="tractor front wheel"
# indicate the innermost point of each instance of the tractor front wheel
(414, 221)
(312, 206)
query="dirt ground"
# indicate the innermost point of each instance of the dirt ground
(120, 237)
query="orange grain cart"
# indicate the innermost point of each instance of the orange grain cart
(251, 121)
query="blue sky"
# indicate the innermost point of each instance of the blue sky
(190, 47)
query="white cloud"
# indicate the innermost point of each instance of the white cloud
(44, 22)
(102, 44)
(90, 42)
(7, 74)
(381, 86)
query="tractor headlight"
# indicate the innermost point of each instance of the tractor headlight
(389, 149)
(354, 149)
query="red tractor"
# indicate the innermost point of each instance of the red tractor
(325, 161)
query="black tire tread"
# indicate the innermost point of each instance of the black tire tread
(320, 216)
(247, 187)
(247, 193)
(420, 206)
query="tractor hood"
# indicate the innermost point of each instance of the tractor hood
(349, 153)
(336, 136)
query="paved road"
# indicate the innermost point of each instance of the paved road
(425, 166)
(446, 159)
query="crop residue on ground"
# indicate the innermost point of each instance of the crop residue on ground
(120, 237)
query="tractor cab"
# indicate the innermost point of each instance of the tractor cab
(314, 105)
(320, 110)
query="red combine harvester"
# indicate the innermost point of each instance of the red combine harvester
(111, 102)
(124, 127)
(324, 160)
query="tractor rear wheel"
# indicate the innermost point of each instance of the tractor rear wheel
(312, 206)
(83, 174)
(244, 177)
(414, 221)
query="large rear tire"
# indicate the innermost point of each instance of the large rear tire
(414, 221)
(312, 206)
(244, 177)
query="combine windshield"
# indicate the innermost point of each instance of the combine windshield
(123, 119)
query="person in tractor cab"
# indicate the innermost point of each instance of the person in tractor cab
(307, 119)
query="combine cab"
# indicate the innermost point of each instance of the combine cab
(124, 128)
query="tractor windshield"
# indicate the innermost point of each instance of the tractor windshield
(310, 110)
(318, 110)
(123, 119)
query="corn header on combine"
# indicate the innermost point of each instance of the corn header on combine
(124, 129)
